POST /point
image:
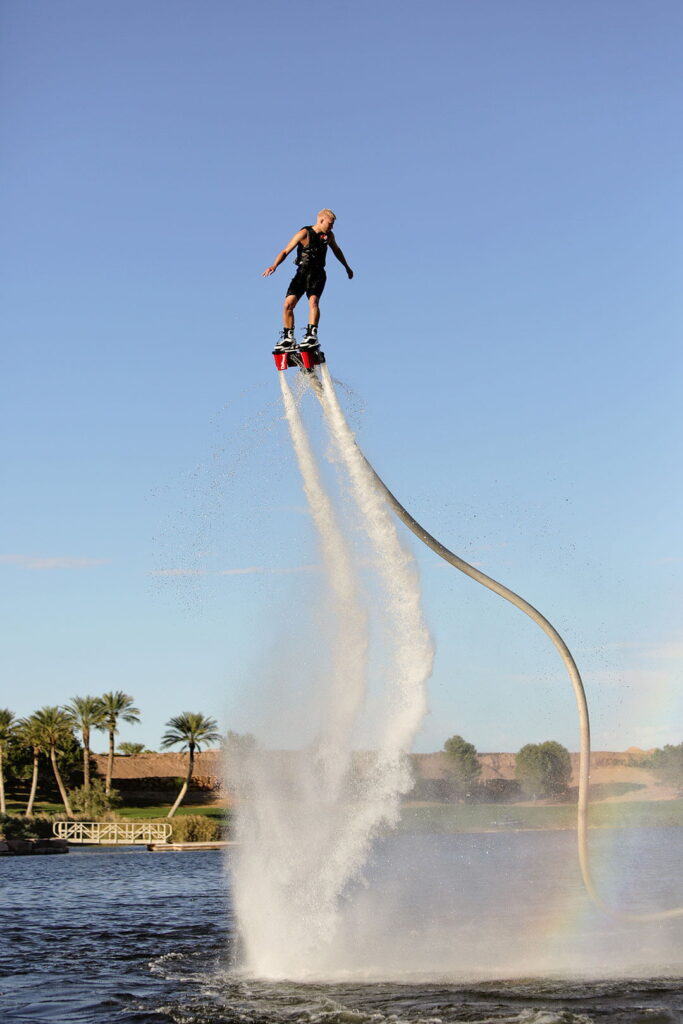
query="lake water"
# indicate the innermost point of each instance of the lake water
(476, 928)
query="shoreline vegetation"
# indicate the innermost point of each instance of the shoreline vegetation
(211, 822)
(626, 791)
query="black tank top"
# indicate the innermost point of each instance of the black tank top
(313, 255)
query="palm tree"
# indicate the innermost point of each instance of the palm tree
(8, 725)
(53, 728)
(115, 704)
(85, 713)
(132, 749)
(191, 730)
(30, 735)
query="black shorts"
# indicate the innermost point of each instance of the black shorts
(310, 281)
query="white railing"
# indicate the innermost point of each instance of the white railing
(125, 833)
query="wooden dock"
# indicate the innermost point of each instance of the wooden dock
(218, 844)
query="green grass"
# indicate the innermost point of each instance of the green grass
(646, 813)
(160, 811)
(150, 813)
(445, 818)
(39, 807)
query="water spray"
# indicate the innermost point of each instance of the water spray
(310, 817)
(329, 400)
(348, 658)
(414, 654)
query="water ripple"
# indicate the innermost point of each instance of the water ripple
(146, 939)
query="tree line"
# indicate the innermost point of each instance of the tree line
(544, 770)
(51, 733)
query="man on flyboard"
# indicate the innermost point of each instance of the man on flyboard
(311, 249)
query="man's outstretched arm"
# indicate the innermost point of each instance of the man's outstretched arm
(340, 255)
(298, 237)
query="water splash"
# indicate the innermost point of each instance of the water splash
(413, 652)
(350, 638)
(308, 818)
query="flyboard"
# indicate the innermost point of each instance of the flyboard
(305, 359)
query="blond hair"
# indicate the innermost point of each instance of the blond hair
(330, 213)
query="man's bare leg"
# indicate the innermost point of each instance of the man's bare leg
(288, 312)
(314, 310)
(287, 342)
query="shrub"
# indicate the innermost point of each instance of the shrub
(667, 764)
(12, 827)
(93, 803)
(543, 769)
(131, 749)
(195, 828)
(464, 768)
(500, 791)
(107, 816)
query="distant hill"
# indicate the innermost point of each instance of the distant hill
(615, 775)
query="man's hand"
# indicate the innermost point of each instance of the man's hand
(268, 271)
(349, 273)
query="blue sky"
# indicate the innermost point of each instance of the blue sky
(507, 183)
